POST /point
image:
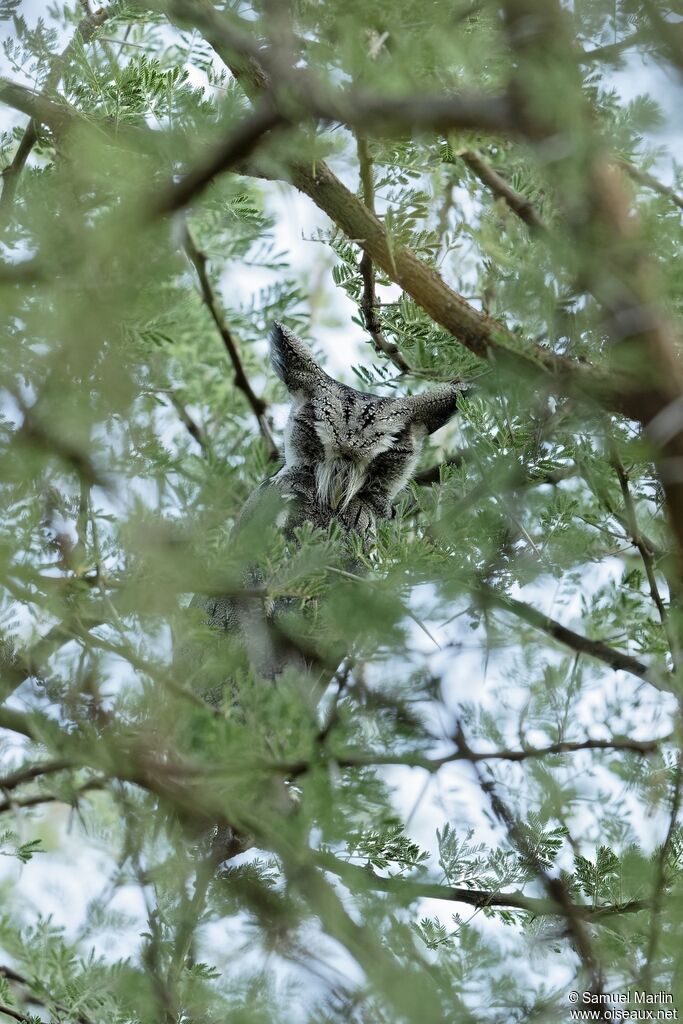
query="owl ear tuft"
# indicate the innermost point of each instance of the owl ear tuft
(433, 408)
(293, 362)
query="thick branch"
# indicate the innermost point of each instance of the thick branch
(482, 335)
(16, 721)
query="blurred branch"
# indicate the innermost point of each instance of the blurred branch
(610, 51)
(36, 434)
(669, 34)
(16, 721)
(432, 765)
(554, 886)
(17, 665)
(406, 889)
(643, 178)
(616, 659)
(20, 979)
(10, 175)
(238, 145)
(301, 92)
(35, 771)
(654, 935)
(193, 428)
(517, 202)
(184, 790)
(26, 272)
(9, 1011)
(646, 553)
(241, 380)
(61, 117)
(368, 302)
(484, 336)
(645, 340)
(433, 474)
(49, 798)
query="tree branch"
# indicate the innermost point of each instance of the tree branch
(35, 771)
(239, 145)
(49, 798)
(241, 380)
(484, 336)
(12, 975)
(643, 178)
(61, 118)
(16, 721)
(554, 886)
(408, 890)
(434, 764)
(646, 553)
(368, 302)
(660, 876)
(84, 32)
(616, 659)
(15, 1014)
(517, 202)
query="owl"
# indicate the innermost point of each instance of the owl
(347, 455)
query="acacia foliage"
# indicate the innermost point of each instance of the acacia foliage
(515, 633)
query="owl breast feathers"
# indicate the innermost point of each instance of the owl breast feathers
(347, 454)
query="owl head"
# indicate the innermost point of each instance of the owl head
(356, 450)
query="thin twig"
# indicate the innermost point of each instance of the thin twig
(241, 380)
(554, 886)
(368, 302)
(616, 659)
(660, 878)
(193, 428)
(643, 178)
(85, 30)
(517, 202)
(238, 145)
(433, 765)
(34, 771)
(49, 798)
(646, 553)
(409, 890)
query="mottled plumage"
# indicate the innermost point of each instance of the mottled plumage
(347, 456)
